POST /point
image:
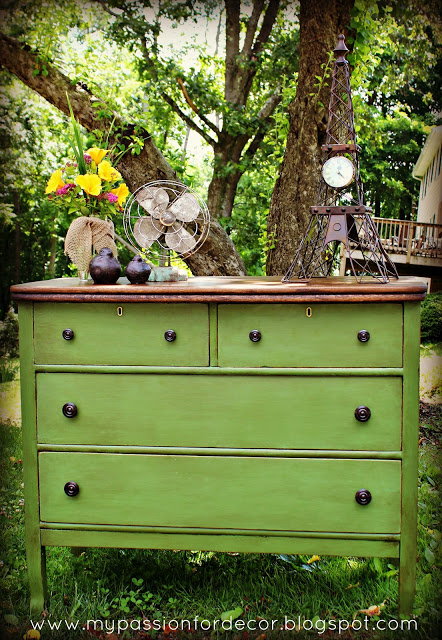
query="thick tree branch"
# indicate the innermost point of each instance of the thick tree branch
(271, 104)
(185, 118)
(106, 8)
(232, 47)
(171, 102)
(267, 26)
(261, 40)
(218, 255)
(195, 108)
(252, 25)
(265, 116)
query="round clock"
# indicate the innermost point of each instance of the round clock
(338, 171)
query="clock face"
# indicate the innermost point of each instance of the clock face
(338, 171)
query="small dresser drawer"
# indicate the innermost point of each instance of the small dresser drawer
(220, 492)
(317, 335)
(126, 334)
(269, 412)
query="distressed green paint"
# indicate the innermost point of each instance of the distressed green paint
(34, 552)
(224, 371)
(213, 333)
(204, 542)
(134, 338)
(227, 492)
(408, 544)
(218, 451)
(158, 410)
(327, 339)
(317, 535)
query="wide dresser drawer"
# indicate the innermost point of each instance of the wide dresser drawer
(254, 493)
(127, 334)
(319, 335)
(282, 412)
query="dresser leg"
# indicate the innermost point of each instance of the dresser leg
(36, 558)
(407, 578)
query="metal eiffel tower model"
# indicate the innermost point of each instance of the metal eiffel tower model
(340, 214)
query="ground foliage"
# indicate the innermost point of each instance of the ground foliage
(431, 318)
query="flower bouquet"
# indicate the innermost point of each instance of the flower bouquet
(93, 190)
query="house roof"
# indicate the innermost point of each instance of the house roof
(428, 152)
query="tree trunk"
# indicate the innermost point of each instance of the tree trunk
(218, 256)
(17, 237)
(222, 188)
(295, 191)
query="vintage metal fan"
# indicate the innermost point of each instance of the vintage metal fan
(166, 219)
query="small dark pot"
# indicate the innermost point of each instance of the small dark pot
(104, 268)
(138, 271)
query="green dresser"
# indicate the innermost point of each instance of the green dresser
(224, 414)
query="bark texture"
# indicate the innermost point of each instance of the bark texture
(295, 191)
(241, 66)
(218, 255)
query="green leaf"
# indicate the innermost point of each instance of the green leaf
(429, 555)
(378, 565)
(11, 619)
(233, 614)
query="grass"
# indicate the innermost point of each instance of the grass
(112, 584)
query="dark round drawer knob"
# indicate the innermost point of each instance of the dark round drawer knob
(363, 336)
(71, 489)
(362, 413)
(170, 335)
(255, 335)
(68, 334)
(70, 410)
(363, 497)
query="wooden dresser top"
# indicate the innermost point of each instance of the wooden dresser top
(224, 289)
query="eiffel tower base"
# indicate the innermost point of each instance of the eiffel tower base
(319, 251)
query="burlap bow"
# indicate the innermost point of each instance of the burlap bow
(86, 234)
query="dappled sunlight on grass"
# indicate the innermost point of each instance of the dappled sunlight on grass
(430, 383)
(10, 401)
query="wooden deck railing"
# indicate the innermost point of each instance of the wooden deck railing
(410, 237)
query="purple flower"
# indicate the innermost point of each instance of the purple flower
(111, 197)
(87, 158)
(64, 190)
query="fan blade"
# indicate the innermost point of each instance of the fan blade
(153, 200)
(180, 240)
(146, 231)
(185, 208)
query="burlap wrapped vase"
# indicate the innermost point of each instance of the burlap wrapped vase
(87, 234)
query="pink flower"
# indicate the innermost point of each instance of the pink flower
(111, 197)
(64, 190)
(87, 158)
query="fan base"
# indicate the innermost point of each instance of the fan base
(167, 274)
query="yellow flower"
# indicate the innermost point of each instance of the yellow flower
(32, 634)
(122, 192)
(97, 154)
(55, 182)
(107, 172)
(90, 183)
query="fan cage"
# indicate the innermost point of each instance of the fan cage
(159, 252)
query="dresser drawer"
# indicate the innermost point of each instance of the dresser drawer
(319, 335)
(221, 492)
(127, 334)
(279, 412)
